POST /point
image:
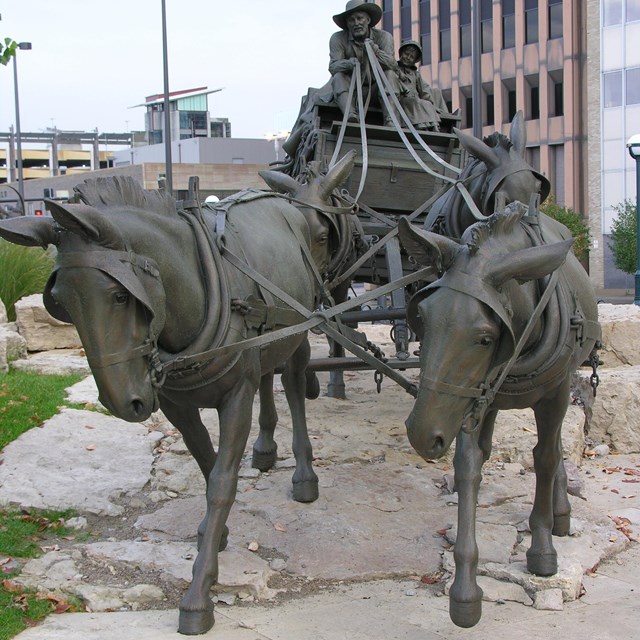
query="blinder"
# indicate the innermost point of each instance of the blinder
(127, 268)
(475, 288)
(503, 171)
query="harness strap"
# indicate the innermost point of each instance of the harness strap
(451, 389)
(314, 319)
(122, 356)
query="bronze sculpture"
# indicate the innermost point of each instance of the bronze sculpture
(162, 333)
(511, 316)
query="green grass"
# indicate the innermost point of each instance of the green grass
(28, 399)
(22, 535)
(23, 271)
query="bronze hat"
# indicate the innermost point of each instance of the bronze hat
(374, 11)
(411, 43)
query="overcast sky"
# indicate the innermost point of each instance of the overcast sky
(91, 59)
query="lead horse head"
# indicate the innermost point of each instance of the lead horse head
(114, 296)
(468, 321)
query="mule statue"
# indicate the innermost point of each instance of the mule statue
(161, 301)
(498, 164)
(509, 319)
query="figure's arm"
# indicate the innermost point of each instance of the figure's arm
(382, 46)
(338, 60)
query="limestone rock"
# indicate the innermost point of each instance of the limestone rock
(143, 594)
(549, 600)
(12, 346)
(3, 313)
(42, 331)
(620, 334)
(614, 411)
(515, 436)
(99, 598)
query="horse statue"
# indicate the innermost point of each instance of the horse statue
(497, 165)
(171, 316)
(509, 319)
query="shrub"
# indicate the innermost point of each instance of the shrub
(623, 237)
(23, 271)
(574, 222)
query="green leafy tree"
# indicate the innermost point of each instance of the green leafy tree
(574, 222)
(7, 50)
(623, 237)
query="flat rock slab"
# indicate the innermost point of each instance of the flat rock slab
(58, 362)
(77, 459)
(370, 521)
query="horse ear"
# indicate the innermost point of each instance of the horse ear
(87, 222)
(518, 133)
(337, 174)
(280, 182)
(29, 231)
(478, 148)
(529, 264)
(427, 248)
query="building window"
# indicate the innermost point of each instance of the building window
(425, 31)
(530, 21)
(611, 12)
(632, 10)
(486, 26)
(465, 28)
(555, 19)
(405, 19)
(468, 112)
(490, 109)
(632, 81)
(612, 89)
(533, 157)
(508, 24)
(534, 103)
(558, 98)
(444, 18)
(511, 104)
(387, 15)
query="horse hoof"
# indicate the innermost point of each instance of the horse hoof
(561, 525)
(465, 614)
(264, 460)
(193, 623)
(305, 491)
(313, 386)
(542, 564)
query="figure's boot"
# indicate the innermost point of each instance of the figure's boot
(345, 107)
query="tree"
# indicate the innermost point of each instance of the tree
(574, 222)
(7, 50)
(623, 237)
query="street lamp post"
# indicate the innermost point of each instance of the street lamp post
(24, 46)
(633, 144)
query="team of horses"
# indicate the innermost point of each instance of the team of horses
(192, 309)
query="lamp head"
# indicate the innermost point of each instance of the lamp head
(633, 144)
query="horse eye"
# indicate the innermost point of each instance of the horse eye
(486, 341)
(121, 297)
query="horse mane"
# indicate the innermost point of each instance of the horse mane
(121, 191)
(497, 139)
(500, 223)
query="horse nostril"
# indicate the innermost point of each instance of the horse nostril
(438, 443)
(138, 406)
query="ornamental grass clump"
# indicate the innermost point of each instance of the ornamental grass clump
(23, 271)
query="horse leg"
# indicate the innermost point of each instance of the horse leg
(197, 439)
(305, 481)
(265, 449)
(542, 559)
(465, 596)
(561, 504)
(196, 608)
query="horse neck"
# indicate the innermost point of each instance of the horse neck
(171, 243)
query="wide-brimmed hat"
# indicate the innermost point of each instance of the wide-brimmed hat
(411, 43)
(374, 11)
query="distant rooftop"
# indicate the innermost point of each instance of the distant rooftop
(173, 95)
